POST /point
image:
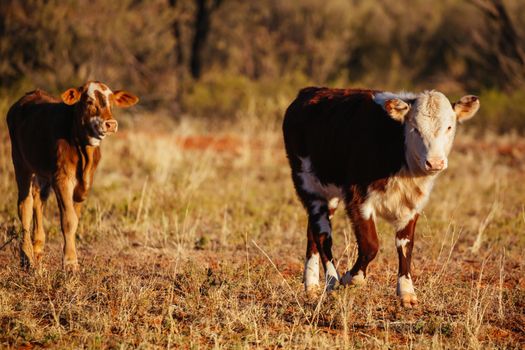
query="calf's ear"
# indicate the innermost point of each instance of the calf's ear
(466, 107)
(124, 99)
(397, 109)
(71, 96)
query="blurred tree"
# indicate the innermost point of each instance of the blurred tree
(179, 52)
(55, 44)
(204, 11)
(270, 39)
(180, 60)
(500, 47)
(184, 53)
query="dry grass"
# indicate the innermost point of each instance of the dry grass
(195, 239)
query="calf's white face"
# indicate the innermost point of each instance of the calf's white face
(430, 125)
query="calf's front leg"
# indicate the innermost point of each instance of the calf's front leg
(404, 244)
(311, 265)
(64, 188)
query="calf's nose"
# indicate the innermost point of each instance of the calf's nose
(435, 164)
(111, 125)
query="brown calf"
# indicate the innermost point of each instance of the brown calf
(55, 144)
(379, 153)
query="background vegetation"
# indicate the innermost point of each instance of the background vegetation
(221, 58)
(192, 236)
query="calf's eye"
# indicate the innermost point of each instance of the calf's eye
(93, 109)
(449, 128)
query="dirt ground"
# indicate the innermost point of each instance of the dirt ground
(195, 239)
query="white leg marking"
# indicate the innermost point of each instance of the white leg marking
(358, 279)
(311, 271)
(405, 290)
(331, 276)
(405, 286)
(402, 243)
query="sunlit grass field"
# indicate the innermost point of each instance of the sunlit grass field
(192, 237)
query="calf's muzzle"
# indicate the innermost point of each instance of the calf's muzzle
(435, 164)
(110, 126)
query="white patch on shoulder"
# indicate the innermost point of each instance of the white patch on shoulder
(332, 205)
(405, 195)
(367, 208)
(404, 285)
(381, 97)
(332, 277)
(311, 271)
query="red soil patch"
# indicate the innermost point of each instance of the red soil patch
(232, 144)
(224, 144)
(220, 144)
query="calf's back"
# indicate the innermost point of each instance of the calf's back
(348, 138)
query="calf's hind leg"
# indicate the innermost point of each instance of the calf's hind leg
(25, 213)
(319, 246)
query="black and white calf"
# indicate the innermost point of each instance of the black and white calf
(380, 153)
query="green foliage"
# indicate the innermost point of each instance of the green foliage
(502, 111)
(227, 96)
(218, 96)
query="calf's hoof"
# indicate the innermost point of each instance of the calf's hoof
(38, 256)
(26, 262)
(312, 292)
(355, 280)
(71, 266)
(408, 300)
(38, 250)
